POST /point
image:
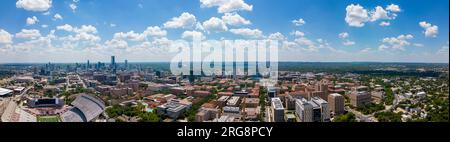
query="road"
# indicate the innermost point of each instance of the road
(6, 101)
(362, 117)
(82, 82)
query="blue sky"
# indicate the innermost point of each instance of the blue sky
(91, 26)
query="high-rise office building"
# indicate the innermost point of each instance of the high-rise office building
(113, 61)
(358, 99)
(323, 106)
(336, 102)
(304, 110)
(315, 110)
(88, 66)
(113, 64)
(277, 110)
(126, 64)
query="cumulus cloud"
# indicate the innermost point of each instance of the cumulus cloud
(73, 6)
(5, 37)
(247, 33)
(155, 32)
(378, 14)
(430, 30)
(32, 20)
(277, 36)
(84, 33)
(299, 22)
(298, 34)
(235, 19)
(185, 20)
(396, 43)
(28, 34)
(344, 36)
(57, 16)
(34, 5)
(190, 35)
(131, 35)
(214, 24)
(227, 6)
(121, 40)
(65, 27)
(357, 15)
(393, 8)
(385, 24)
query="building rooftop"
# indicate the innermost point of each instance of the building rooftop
(335, 95)
(233, 101)
(86, 107)
(4, 91)
(277, 104)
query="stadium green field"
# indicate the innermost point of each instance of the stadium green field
(48, 119)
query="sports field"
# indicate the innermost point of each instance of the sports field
(48, 119)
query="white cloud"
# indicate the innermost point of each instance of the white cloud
(214, 24)
(356, 15)
(116, 43)
(396, 43)
(131, 35)
(303, 41)
(73, 6)
(32, 20)
(155, 32)
(65, 27)
(248, 33)
(385, 24)
(186, 20)
(343, 35)
(378, 14)
(191, 34)
(85, 29)
(28, 34)
(393, 8)
(430, 30)
(5, 37)
(235, 19)
(57, 16)
(227, 6)
(34, 5)
(299, 22)
(83, 33)
(298, 34)
(120, 40)
(348, 43)
(46, 13)
(277, 36)
(44, 26)
(112, 25)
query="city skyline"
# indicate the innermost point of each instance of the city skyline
(77, 30)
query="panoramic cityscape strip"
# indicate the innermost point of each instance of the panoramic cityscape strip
(224, 61)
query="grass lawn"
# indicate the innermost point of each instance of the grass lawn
(48, 119)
